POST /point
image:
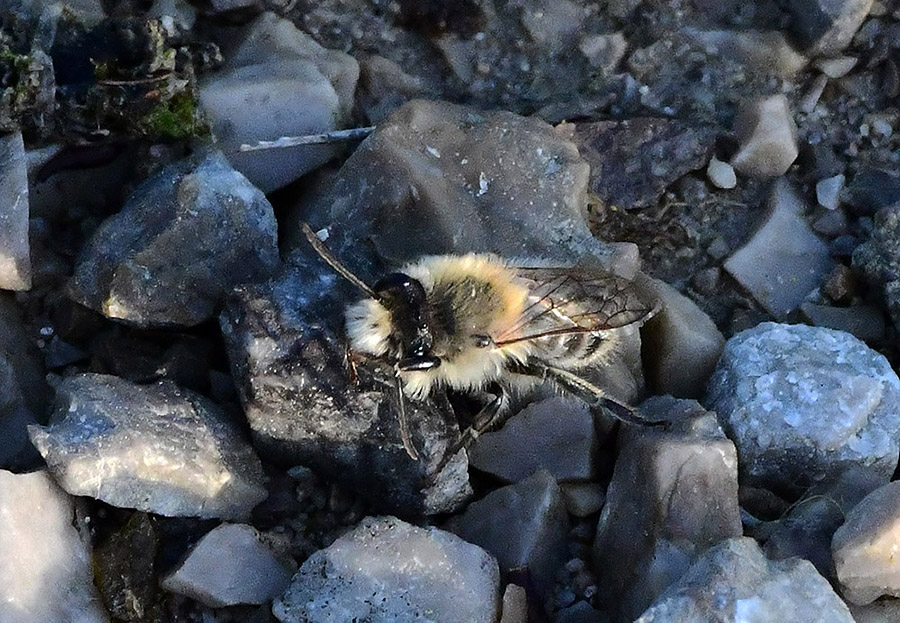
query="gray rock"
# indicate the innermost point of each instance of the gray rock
(384, 87)
(804, 404)
(278, 82)
(183, 240)
(287, 351)
(864, 547)
(767, 137)
(673, 494)
(15, 256)
(634, 161)
(872, 189)
(733, 581)
(439, 178)
(583, 498)
(784, 260)
(23, 390)
(878, 259)
(604, 51)
(388, 571)
(156, 448)
(556, 434)
(828, 191)
(249, 574)
(681, 345)
(881, 611)
(515, 605)
(826, 27)
(806, 529)
(45, 563)
(524, 525)
(863, 321)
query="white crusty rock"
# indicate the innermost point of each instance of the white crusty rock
(673, 494)
(156, 448)
(44, 563)
(278, 82)
(783, 261)
(804, 404)
(524, 525)
(556, 434)
(865, 547)
(767, 138)
(15, 256)
(388, 571)
(248, 574)
(733, 581)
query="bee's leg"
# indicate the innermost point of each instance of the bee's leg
(492, 415)
(585, 390)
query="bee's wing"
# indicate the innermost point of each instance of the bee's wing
(563, 301)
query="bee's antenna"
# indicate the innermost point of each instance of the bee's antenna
(332, 261)
(404, 425)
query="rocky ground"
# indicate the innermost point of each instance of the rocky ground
(183, 437)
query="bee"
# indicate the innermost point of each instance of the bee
(476, 321)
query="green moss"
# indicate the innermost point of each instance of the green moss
(175, 118)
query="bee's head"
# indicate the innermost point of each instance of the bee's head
(405, 299)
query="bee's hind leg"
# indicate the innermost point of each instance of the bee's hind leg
(492, 415)
(585, 390)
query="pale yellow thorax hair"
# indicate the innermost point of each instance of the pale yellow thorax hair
(369, 323)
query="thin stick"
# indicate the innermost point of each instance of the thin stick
(332, 261)
(335, 136)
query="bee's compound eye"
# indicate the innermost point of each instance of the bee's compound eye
(413, 364)
(400, 287)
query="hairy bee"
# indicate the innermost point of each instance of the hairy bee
(475, 321)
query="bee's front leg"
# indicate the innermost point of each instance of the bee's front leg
(492, 415)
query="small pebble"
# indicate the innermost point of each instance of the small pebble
(721, 174)
(828, 191)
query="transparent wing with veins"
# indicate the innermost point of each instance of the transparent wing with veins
(565, 301)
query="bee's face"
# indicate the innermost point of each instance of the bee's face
(406, 300)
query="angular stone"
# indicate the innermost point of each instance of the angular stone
(784, 260)
(806, 528)
(388, 570)
(556, 434)
(828, 191)
(767, 138)
(249, 574)
(440, 178)
(881, 611)
(680, 345)
(183, 240)
(804, 404)
(673, 494)
(826, 27)
(872, 189)
(44, 563)
(865, 547)
(287, 351)
(15, 256)
(865, 322)
(634, 161)
(278, 82)
(515, 605)
(733, 581)
(156, 448)
(524, 525)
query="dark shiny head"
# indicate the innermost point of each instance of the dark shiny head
(405, 298)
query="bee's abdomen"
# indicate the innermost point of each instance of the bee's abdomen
(576, 350)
